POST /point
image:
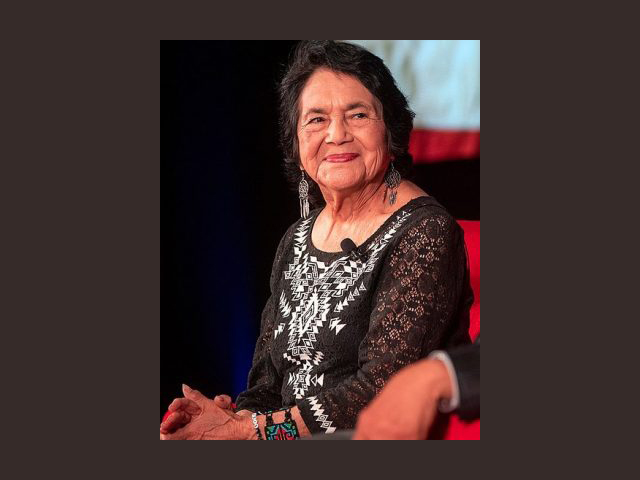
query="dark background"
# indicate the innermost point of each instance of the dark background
(225, 205)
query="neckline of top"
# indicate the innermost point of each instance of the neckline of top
(410, 205)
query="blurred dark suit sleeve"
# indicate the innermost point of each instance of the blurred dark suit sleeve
(466, 362)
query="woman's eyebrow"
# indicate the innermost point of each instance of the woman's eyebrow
(315, 110)
(353, 106)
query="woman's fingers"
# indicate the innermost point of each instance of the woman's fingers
(223, 401)
(186, 405)
(194, 395)
(174, 421)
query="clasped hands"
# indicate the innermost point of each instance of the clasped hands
(196, 417)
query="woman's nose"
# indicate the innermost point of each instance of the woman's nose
(338, 132)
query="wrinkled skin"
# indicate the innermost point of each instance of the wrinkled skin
(196, 417)
(407, 405)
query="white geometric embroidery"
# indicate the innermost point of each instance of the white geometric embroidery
(302, 376)
(318, 290)
(318, 412)
(376, 247)
(336, 325)
(356, 291)
(291, 359)
(285, 308)
(278, 330)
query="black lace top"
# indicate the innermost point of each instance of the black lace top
(337, 326)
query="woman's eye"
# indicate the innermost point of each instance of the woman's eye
(316, 120)
(360, 115)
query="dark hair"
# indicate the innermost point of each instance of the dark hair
(350, 59)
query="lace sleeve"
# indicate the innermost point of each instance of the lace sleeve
(415, 310)
(264, 384)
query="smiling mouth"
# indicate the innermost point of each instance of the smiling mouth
(341, 157)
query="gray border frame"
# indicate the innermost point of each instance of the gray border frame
(93, 208)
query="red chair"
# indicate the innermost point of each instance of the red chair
(458, 429)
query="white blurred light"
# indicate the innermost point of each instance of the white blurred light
(441, 79)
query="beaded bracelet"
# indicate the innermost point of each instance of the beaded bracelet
(287, 430)
(254, 420)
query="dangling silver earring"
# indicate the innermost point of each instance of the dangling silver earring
(392, 180)
(303, 193)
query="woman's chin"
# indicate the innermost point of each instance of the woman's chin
(341, 185)
(340, 179)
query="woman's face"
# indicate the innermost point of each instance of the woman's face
(341, 134)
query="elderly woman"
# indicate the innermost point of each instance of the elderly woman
(371, 281)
